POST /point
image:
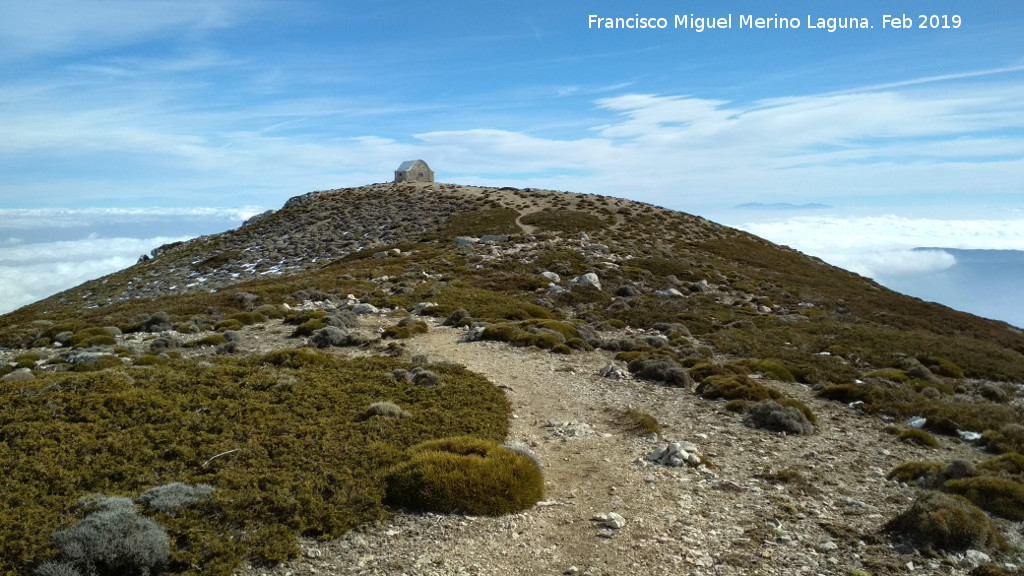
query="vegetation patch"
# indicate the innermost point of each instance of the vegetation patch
(736, 387)
(637, 421)
(919, 438)
(1000, 496)
(281, 438)
(570, 221)
(525, 334)
(660, 370)
(465, 475)
(938, 521)
(490, 221)
(406, 328)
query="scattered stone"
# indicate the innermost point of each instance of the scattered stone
(365, 308)
(613, 372)
(670, 293)
(492, 239)
(571, 429)
(589, 279)
(419, 308)
(465, 241)
(611, 520)
(551, 276)
(974, 557)
(380, 255)
(675, 454)
(19, 375)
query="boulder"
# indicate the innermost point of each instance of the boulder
(589, 279)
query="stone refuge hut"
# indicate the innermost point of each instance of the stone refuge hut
(414, 171)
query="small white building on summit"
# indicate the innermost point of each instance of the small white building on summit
(414, 171)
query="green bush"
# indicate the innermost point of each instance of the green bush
(938, 521)
(927, 474)
(406, 328)
(661, 370)
(638, 421)
(308, 327)
(771, 415)
(1009, 464)
(845, 393)
(1000, 496)
(280, 437)
(919, 438)
(736, 387)
(465, 475)
(892, 374)
(211, 340)
(1008, 438)
(774, 369)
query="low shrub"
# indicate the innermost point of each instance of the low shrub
(771, 415)
(386, 410)
(926, 474)
(1008, 464)
(211, 340)
(231, 324)
(406, 328)
(1008, 438)
(423, 377)
(988, 569)
(803, 408)
(919, 438)
(736, 387)
(308, 327)
(845, 393)
(330, 336)
(774, 369)
(170, 498)
(247, 318)
(661, 370)
(465, 475)
(891, 374)
(993, 393)
(1000, 496)
(113, 539)
(460, 317)
(638, 421)
(939, 521)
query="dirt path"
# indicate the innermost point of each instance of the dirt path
(726, 521)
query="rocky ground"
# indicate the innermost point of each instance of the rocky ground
(764, 503)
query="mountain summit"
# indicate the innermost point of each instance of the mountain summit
(429, 378)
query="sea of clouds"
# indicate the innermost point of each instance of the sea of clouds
(917, 256)
(43, 252)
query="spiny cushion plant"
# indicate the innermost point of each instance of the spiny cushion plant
(1000, 496)
(465, 475)
(281, 438)
(940, 521)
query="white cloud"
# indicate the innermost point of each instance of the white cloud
(50, 26)
(30, 272)
(881, 247)
(34, 218)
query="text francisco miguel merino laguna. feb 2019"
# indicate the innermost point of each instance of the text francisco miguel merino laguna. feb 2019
(730, 21)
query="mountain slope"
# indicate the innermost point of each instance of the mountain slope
(722, 337)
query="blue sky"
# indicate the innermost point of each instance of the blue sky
(238, 105)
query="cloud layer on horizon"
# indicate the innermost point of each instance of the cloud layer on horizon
(882, 247)
(30, 272)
